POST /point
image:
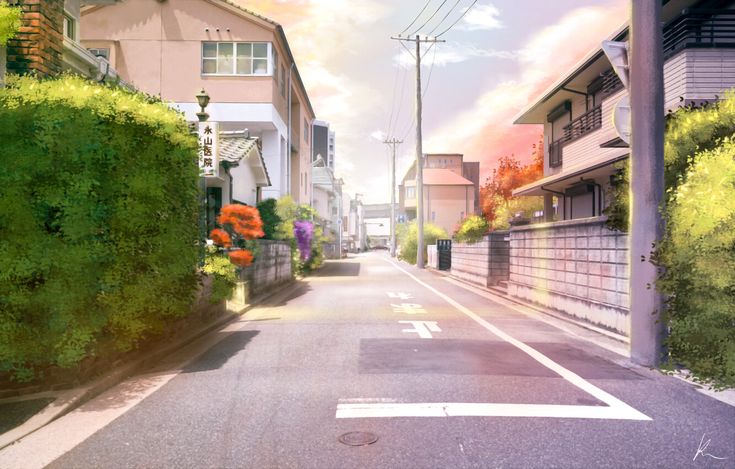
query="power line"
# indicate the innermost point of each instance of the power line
(445, 17)
(430, 17)
(458, 19)
(417, 16)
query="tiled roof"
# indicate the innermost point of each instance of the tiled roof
(235, 146)
(444, 177)
(250, 12)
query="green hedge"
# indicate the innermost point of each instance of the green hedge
(698, 252)
(408, 233)
(98, 220)
(10, 22)
(472, 229)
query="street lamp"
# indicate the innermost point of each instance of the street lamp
(203, 100)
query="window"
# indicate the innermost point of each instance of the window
(70, 27)
(100, 52)
(275, 63)
(410, 192)
(283, 81)
(236, 58)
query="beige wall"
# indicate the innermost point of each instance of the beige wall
(157, 47)
(446, 206)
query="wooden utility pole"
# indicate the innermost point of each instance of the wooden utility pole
(646, 178)
(419, 147)
(392, 143)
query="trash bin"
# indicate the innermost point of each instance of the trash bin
(444, 251)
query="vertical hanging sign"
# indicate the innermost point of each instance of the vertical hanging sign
(208, 161)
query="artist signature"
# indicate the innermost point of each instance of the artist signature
(702, 449)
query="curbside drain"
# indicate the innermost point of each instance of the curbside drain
(358, 438)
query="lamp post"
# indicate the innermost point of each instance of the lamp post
(203, 100)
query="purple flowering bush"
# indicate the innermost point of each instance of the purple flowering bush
(303, 231)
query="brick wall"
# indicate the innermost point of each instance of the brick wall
(484, 263)
(38, 46)
(578, 267)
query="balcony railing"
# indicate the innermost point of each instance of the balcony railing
(699, 28)
(584, 124)
(555, 153)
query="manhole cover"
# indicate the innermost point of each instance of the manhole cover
(358, 438)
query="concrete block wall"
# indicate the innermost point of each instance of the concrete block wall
(578, 267)
(484, 263)
(272, 266)
(432, 257)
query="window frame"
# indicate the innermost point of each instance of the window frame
(268, 58)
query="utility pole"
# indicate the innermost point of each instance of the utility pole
(419, 145)
(646, 178)
(392, 143)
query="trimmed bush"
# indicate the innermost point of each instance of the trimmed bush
(699, 254)
(10, 22)
(408, 233)
(472, 229)
(98, 220)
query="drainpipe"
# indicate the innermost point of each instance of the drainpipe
(288, 137)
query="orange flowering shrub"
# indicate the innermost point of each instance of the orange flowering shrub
(241, 257)
(221, 238)
(243, 220)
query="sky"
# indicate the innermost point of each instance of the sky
(499, 57)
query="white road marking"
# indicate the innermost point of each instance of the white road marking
(616, 409)
(468, 409)
(408, 308)
(400, 295)
(422, 328)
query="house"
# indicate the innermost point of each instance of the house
(327, 201)
(175, 48)
(377, 225)
(572, 262)
(449, 196)
(49, 42)
(323, 143)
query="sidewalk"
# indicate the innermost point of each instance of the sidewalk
(24, 414)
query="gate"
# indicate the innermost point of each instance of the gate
(444, 251)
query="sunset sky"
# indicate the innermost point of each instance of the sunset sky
(499, 57)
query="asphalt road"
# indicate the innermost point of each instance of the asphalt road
(442, 376)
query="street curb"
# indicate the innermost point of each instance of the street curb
(67, 401)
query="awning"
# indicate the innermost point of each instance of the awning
(590, 169)
(237, 148)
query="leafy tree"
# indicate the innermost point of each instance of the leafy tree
(269, 215)
(496, 196)
(472, 229)
(10, 22)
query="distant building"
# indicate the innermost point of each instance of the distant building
(323, 144)
(377, 224)
(449, 194)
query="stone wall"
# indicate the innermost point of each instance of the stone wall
(484, 263)
(38, 46)
(578, 267)
(272, 266)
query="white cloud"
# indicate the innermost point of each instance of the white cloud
(481, 18)
(378, 135)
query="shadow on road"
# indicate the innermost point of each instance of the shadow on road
(338, 269)
(300, 289)
(217, 356)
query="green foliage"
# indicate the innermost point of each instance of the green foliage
(699, 255)
(10, 22)
(223, 272)
(515, 207)
(269, 215)
(472, 229)
(288, 211)
(98, 220)
(407, 234)
(618, 212)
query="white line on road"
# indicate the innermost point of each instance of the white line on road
(468, 409)
(617, 409)
(422, 328)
